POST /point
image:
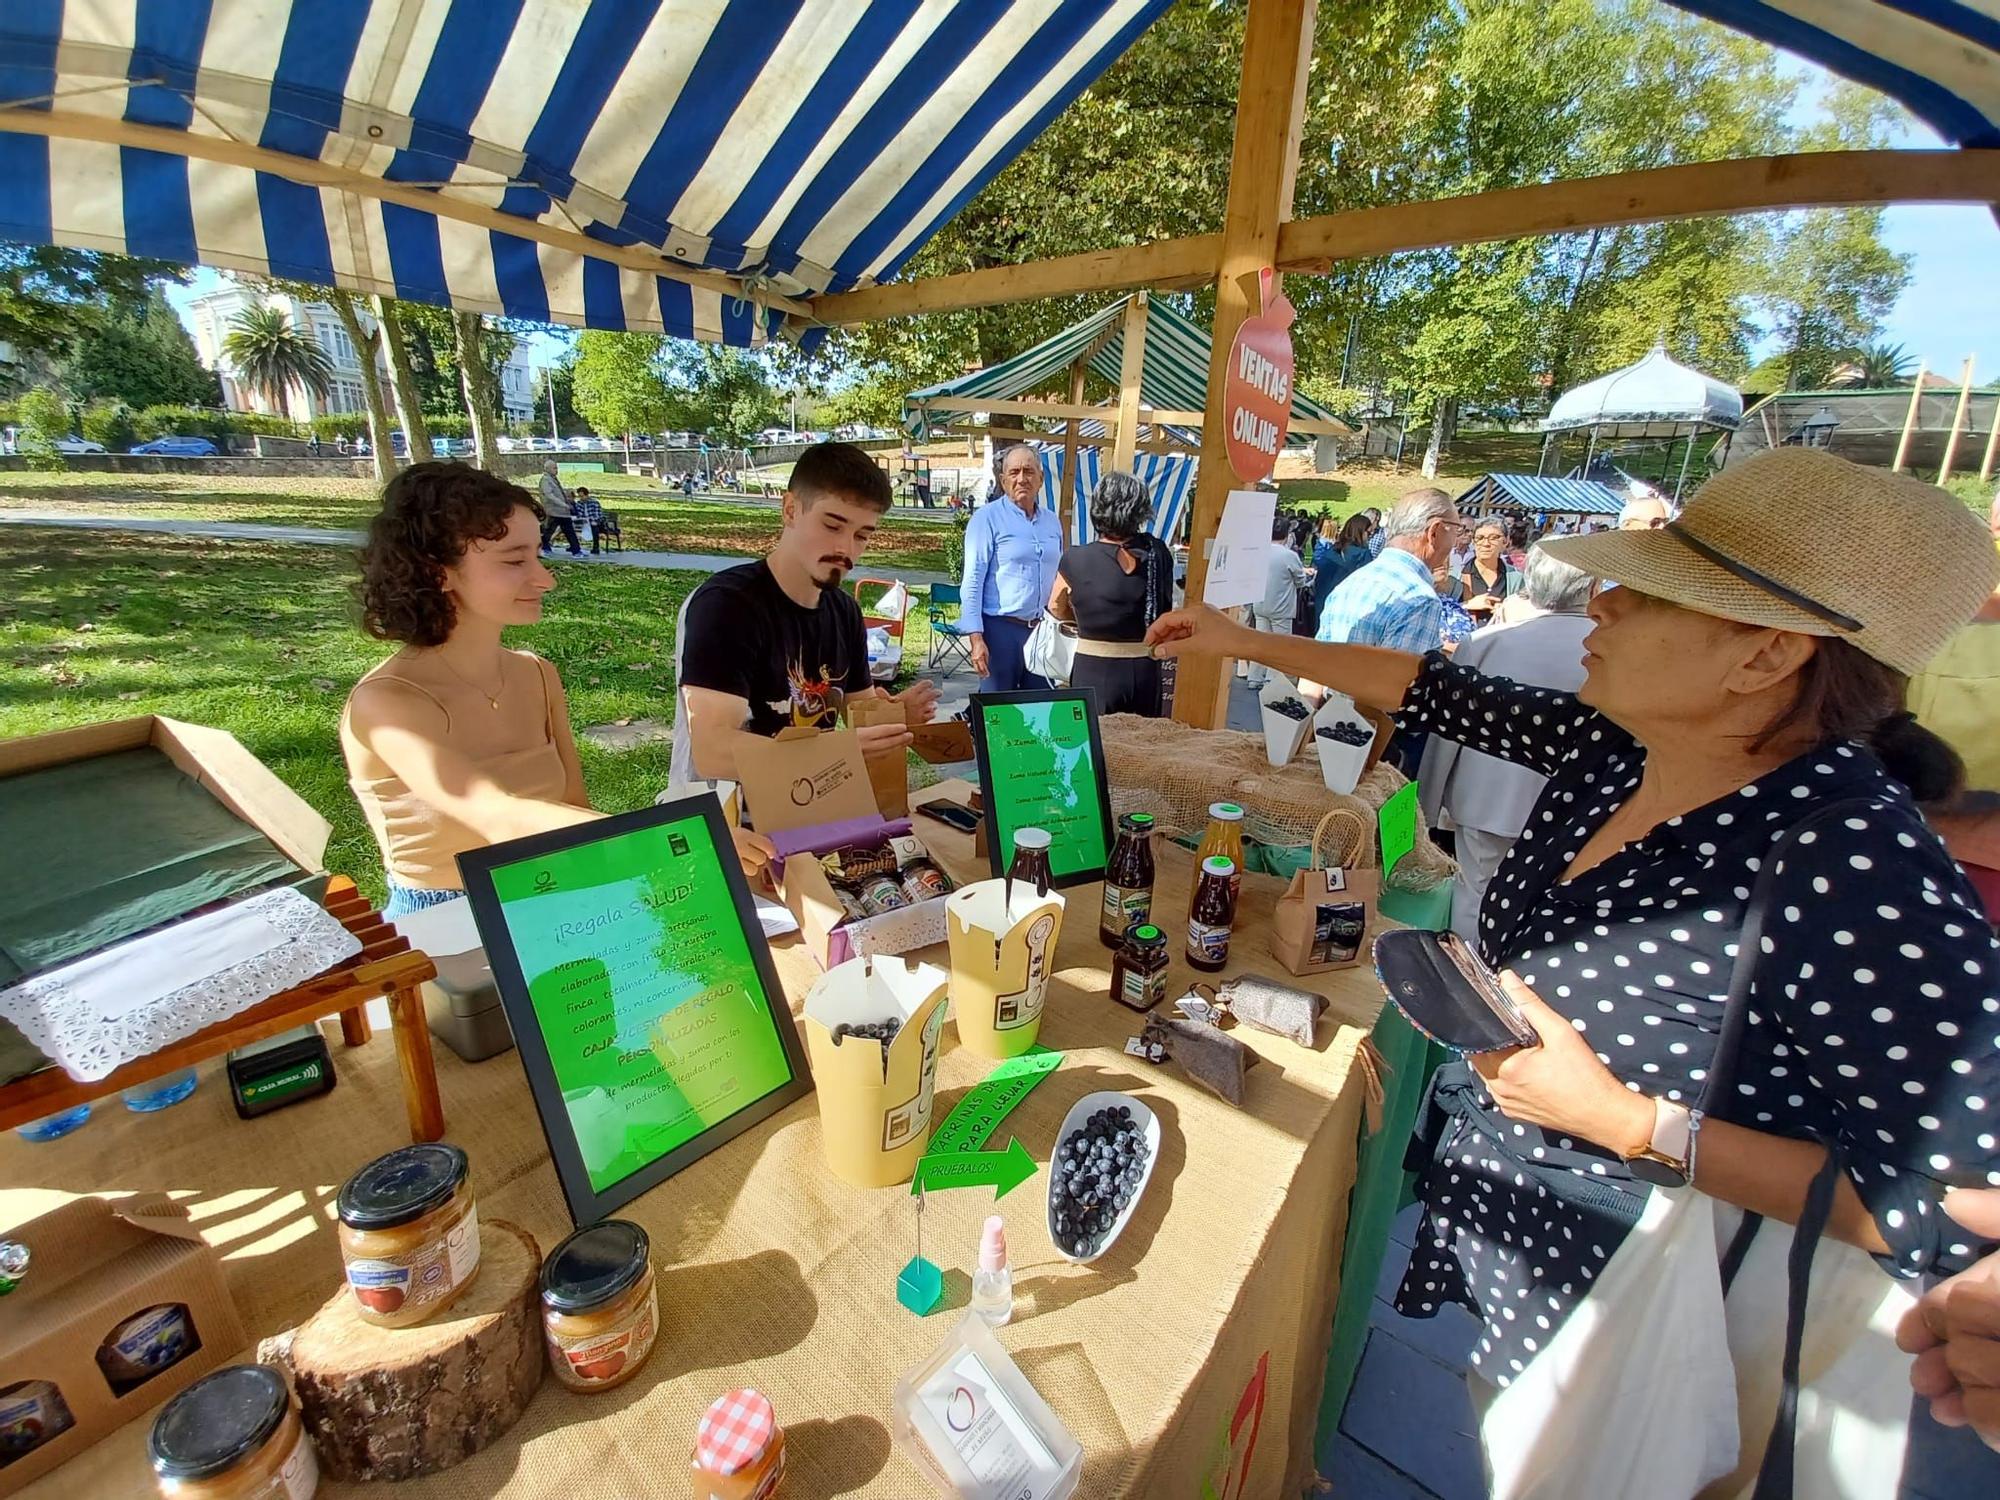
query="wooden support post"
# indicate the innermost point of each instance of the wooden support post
(1263, 167)
(1131, 369)
(1910, 419)
(1992, 439)
(1957, 422)
(1063, 501)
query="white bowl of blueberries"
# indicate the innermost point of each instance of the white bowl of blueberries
(1104, 1157)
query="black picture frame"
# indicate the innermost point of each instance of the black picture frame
(587, 1204)
(1000, 837)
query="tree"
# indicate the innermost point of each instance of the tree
(142, 356)
(272, 356)
(402, 377)
(51, 296)
(367, 344)
(724, 394)
(476, 347)
(44, 422)
(559, 378)
(1878, 366)
(617, 382)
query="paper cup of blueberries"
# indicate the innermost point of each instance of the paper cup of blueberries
(1103, 1160)
(1343, 737)
(1287, 716)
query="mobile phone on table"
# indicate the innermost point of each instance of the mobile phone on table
(953, 814)
(1448, 993)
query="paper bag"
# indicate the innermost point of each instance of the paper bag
(888, 771)
(1322, 920)
(800, 778)
(875, 1099)
(1001, 955)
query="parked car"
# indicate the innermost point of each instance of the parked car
(75, 445)
(178, 447)
(584, 444)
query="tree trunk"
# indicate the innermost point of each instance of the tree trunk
(403, 380)
(381, 450)
(480, 389)
(1434, 450)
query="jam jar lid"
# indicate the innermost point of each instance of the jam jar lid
(1146, 934)
(595, 1265)
(217, 1422)
(401, 1186)
(1137, 822)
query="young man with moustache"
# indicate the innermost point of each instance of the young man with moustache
(776, 643)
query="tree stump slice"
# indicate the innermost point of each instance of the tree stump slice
(394, 1403)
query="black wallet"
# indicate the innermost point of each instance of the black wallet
(1447, 992)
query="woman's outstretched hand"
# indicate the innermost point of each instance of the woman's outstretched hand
(1195, 631)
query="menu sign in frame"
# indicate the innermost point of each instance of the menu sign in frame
(1041, 765)
(647, 1012)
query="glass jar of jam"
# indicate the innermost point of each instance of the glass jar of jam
(739, 1449)
(1128, 880)
(146, 1343)
(1225, 839)
(31, 1413)
(1139, 968)
(409, 1233)
(1211, 915)
(600, 1306)
(233, 1435)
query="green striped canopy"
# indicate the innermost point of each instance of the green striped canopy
(1174, 377)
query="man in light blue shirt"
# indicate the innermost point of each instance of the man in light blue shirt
(1012, 547)
(1393, 601)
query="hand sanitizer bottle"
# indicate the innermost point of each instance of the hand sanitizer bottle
(993, 1282)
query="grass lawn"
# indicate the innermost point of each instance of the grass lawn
(258, 638)
(651, 520)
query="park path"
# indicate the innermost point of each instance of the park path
(321, 536)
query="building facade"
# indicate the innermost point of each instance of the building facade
(209, 318)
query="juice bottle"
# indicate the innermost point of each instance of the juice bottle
(1031, 864)
(1225, 839)
(1211, 914)
(1128, 880)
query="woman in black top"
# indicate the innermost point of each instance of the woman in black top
(1113, 588)
(1726, 701)
(1488, 577)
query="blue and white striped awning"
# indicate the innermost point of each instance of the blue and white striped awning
(1939, 58)
(729, 156)
(1531, 493)
(1168, 477)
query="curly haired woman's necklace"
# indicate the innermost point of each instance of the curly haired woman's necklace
(492, 698)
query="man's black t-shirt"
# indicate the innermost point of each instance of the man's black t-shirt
(743, 635)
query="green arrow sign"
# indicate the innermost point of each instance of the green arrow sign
(1005, 1170)
(975, 1117)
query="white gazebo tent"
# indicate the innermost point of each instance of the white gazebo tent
(1657, 399)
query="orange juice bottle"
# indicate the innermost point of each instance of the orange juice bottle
(1224, 840)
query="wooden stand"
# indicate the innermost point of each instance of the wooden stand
(393, 1403)
(386, 965)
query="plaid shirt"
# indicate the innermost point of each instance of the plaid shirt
(1390, 602)
(589, 510)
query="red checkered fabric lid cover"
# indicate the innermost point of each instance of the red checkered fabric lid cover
(735, 1432)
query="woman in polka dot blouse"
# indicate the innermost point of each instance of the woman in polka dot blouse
(1740, 680)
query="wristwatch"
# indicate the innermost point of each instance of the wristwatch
(1667, 1160)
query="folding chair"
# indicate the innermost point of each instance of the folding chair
(949, 645)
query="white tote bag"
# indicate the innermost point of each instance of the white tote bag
(1051, 649)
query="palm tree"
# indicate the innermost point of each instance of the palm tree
(272, 356)
(1877, 366)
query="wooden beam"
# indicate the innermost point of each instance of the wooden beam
(59, 125)
(1021, 435)
(1263, 166)
(1164, 265)
(1818, 179)
(1957, 423)
(1196, 418)
(1076, 373)
(1910, 418)
(1814, 179)
(1131, 372)
(1053, 410)
(1992, 439)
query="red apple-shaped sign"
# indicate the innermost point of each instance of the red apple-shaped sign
(1257, 391)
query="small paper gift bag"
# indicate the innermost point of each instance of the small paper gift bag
(874, 1092)
(1001, 955)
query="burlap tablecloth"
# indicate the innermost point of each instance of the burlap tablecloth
(1192, 1354)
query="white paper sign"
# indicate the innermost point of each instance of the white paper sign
(1238, 555)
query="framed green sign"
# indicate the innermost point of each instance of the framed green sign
(640, 988)
(1041, 765)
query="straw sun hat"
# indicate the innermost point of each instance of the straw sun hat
(1800, 540)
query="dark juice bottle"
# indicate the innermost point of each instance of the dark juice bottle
(1030, 865)
(1128, 880)
(1211, 915)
